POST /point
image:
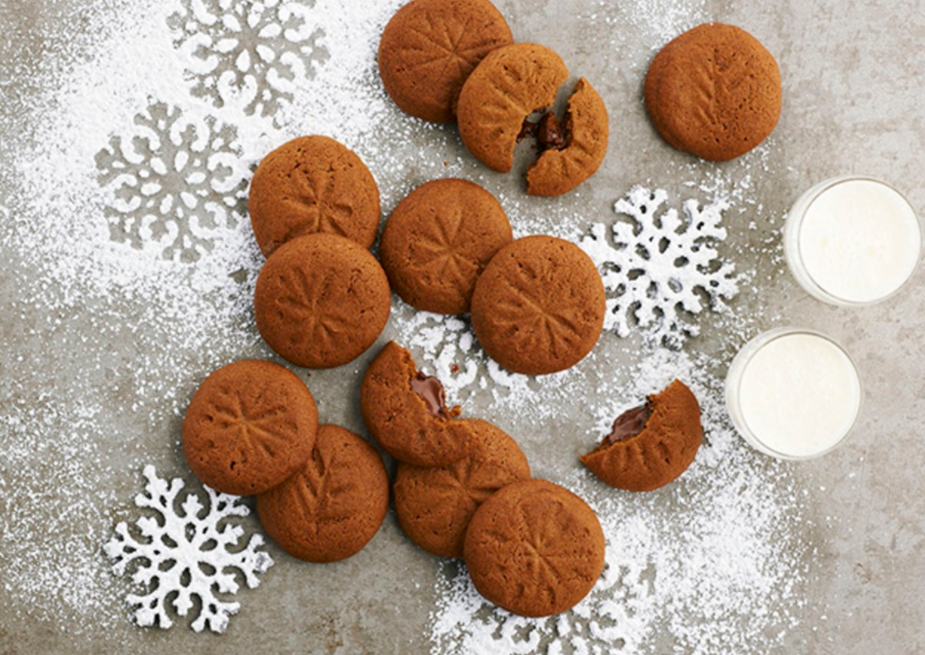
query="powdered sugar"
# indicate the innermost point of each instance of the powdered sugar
(177, 186)
(251, 54)
(449, 347)
(654, 21)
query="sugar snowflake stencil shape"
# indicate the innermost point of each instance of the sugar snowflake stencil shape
(189, 552)
(176, 184)
(663, 267)
(450, 351)
(464, 622)
(251, 54)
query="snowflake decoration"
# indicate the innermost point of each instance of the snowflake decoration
(177, 184)
(186, 554)
(248, 52)
(663, 267)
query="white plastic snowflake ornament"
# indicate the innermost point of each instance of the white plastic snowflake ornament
(660, 268)
(186, 554)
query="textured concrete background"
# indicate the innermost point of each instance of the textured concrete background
(853, 76)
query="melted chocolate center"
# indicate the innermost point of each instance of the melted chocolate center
(528, 130)
(430, 390)
(628, 424)
(550, 134)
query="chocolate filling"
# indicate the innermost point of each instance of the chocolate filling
(628, 424)
(550, 134)
(430, 390)
(528, 130)
(531, 124)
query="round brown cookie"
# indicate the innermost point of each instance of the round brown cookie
(714, 92)
(511, 83)
(534, 548)
(405, 411)
(434, 505)
(312, 184)
(248, 427)
(333, 505)
(437, 242)
(573, 157)
(539, 305)
(430, 47)
(651, 445)
(321, 300)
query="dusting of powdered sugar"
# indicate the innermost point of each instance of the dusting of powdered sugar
(653, 21)
(452, 353)
(250, 54)
(711, 564)
(173, 185)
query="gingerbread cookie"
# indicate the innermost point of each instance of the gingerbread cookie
(651, 445)
(406, 412)
(321, 300)
(505, 88)
(333, 505)
(572, 151)
(434, 505)
(539, 305)
(534, 548)
(437, 242)
(248, 427)
(714, 92)
(312, 184)
(430, 47)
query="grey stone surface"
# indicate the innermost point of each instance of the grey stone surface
(852, 79)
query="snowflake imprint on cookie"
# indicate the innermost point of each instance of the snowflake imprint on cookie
(186, 553)
(662, 268)
(248, 53)
(177, 184)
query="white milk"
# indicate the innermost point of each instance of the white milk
(852, 240)
(793, 393)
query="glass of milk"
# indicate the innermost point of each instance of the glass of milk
(852, 240)
(793, 393)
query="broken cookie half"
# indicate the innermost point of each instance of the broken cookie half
(650, 445)
(496, 103)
